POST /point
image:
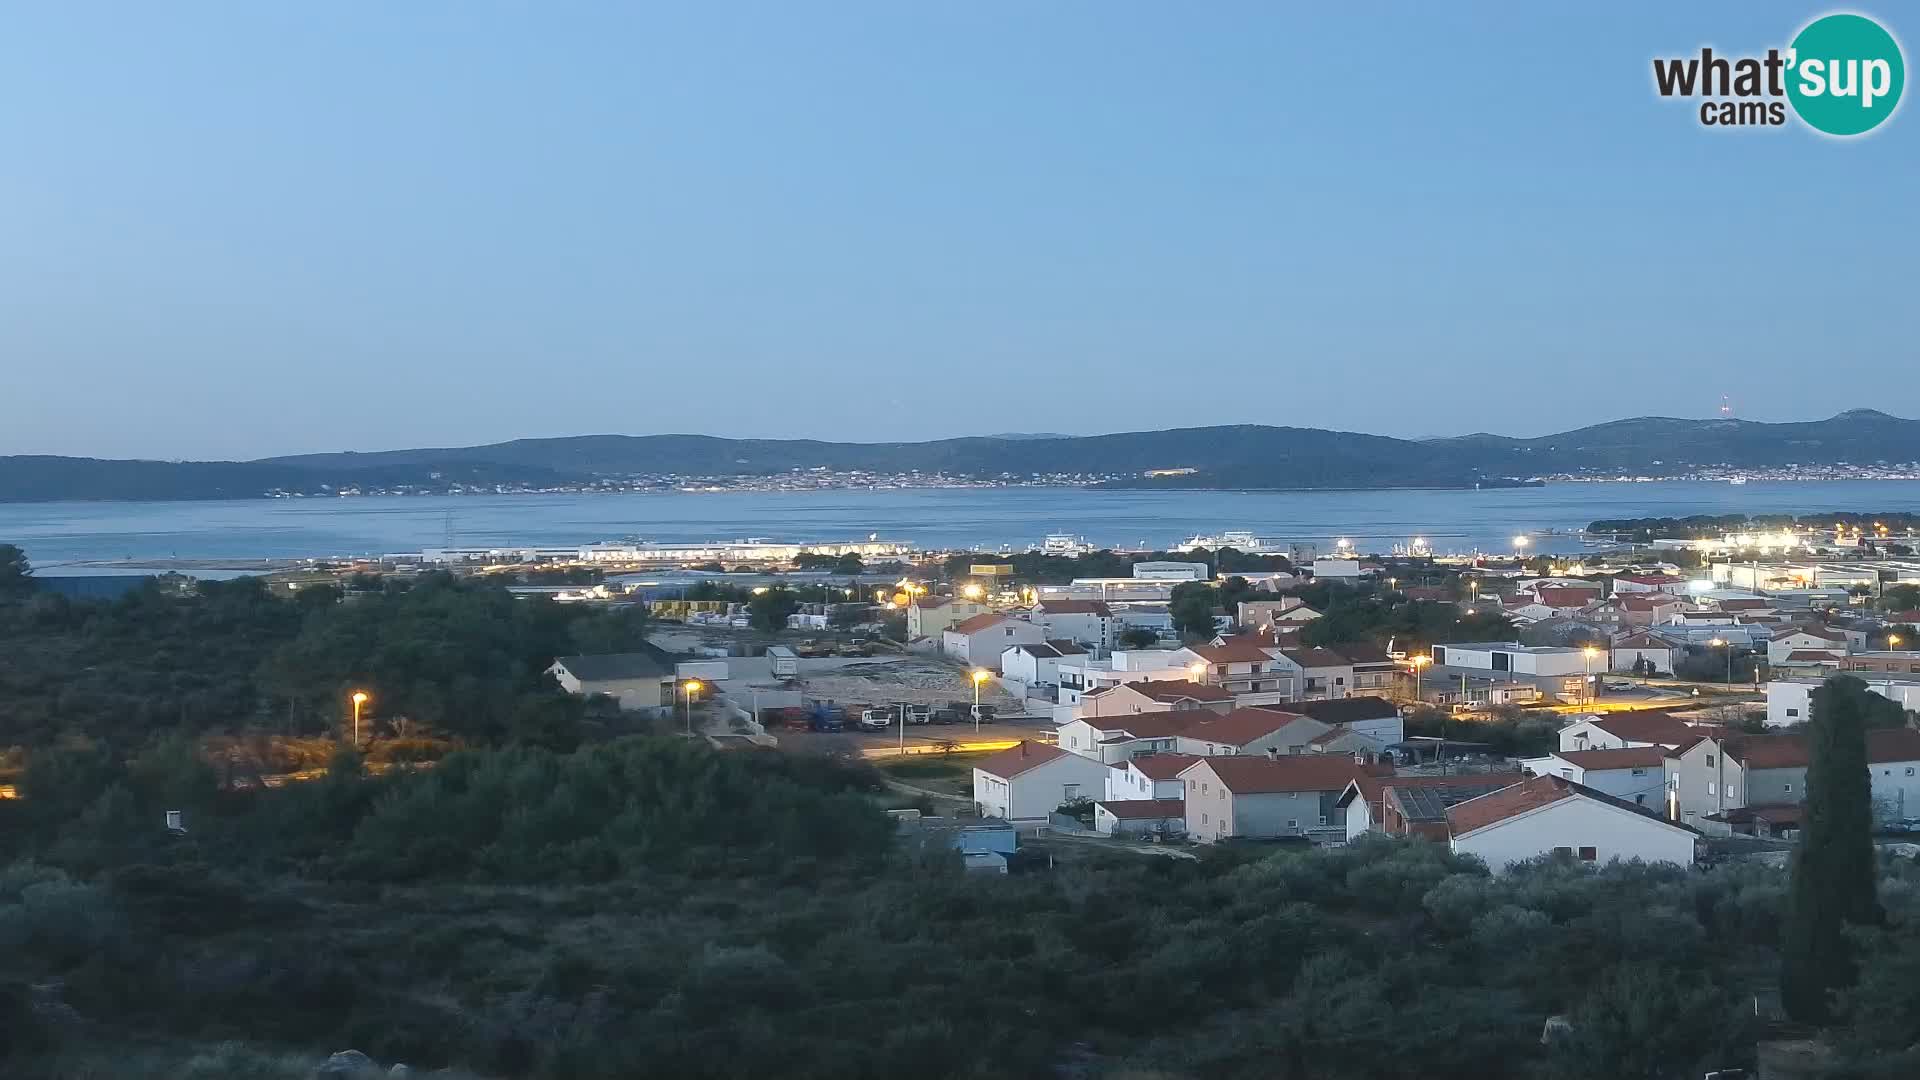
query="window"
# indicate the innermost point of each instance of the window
(1563, 851)
(1588, 854)
(1639, 772)
(1710, 790)
(1293, 823)
(1070, 792)
(1793, 712)
(1788, 788)
(1203, 819)
(1323, 819)
(1709, 761)
(1205, 788)
(1731, 793)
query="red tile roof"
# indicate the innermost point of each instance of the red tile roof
(977, 623)
(1234, 650)
(1649, 726)
(1642, 641)
(1015, 760)
(1567, 597)
(1813, 656)
(1257, 774)
(1634, 757)
(1317, 658)
(1789, 631)
(1145, 809)
(1884, 746)
(1171, 690)
(1147, 725)
(1242, 726)
(1073, 607)
(1517, 799)
(1162, 766)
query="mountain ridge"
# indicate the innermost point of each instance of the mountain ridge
(1234, 456)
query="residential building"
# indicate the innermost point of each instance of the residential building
(1375, 717)
(1635, 774)
(1117, 739)
(1320, 673)
(1412, 805)
(979, 641)
(1038, 665)
(1081, 674)
(1884, 661)
(1790, 701)
(1628, 653)
(1513, 657)
(1336, 569)
(1805, 639)
(1621, 730)
(1649, 584)
(1549, 815)
(1029, 781)
(1250, 731)
(635, 680)
(1350, 743)
(1148, 776)
(1260, 615)
(1166, 570)
(1374, 672)
(1716, 775)
(1086, 622)
(1153, 695)
(1242, 667)
(1261, 797)
(929, 616)
(1138, 817)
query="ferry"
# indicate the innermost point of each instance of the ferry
(1245, 541)
(1065, 544)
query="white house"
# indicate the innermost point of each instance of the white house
(1801, 639)
(1336, 569)
(1117, 739)
(1553, 815)
(1080, 674)
(1790, 701)
(1147, 776)
(1511, 656)
(1087, 622)
(981, 639)
(1619, 731)
(1375, 717)
(1636, 774)
(1136, 817)
(634, 680)
(928, 615)
(1038, 665)
(1629, 651)
(1031, 780)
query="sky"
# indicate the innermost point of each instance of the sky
(233, 230)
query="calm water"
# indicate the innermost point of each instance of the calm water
(55, 533)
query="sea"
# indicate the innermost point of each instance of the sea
(76, 537)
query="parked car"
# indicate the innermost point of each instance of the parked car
(1617, 686)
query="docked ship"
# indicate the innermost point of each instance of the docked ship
(1241, 540)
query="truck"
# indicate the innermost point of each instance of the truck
(876, 719)
(811, 647)
(826, 716)
(786, 662)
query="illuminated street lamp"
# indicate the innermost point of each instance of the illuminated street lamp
(1893, 641)
(1589, 653)
(1519, 545)
(978, 675)
(692, 687)
(972, 590)
(1728, 645)
(1196, 669)
(359, 699)
(1418, 662)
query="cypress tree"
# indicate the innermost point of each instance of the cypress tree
(1833, 866)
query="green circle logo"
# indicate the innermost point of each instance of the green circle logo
(1845, 74)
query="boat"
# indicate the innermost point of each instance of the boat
(1244, 541)
(1736, 479)
(1065, 544)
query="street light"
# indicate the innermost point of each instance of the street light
(1519, 545)
(692, 687)
(1590, 652)
(1418, 662)
(1196, 669)
(978, 675)
(1719, 642)
(359, 699)
(1893, 641)
(972, 590)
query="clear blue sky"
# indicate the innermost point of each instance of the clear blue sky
(233, 230)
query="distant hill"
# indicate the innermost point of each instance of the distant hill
(1231, 457)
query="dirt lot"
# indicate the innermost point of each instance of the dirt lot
(915, 679)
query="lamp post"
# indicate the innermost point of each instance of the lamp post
(691, 687)
(1418, 662)
(1196, 671)
(359, 699)
(1719, 643)
(1589, 653)
(978, 675)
